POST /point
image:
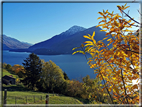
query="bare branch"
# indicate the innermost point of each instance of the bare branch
(140, 13)
(133, 25)
(130, 17)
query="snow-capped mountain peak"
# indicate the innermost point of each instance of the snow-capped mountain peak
(74, 29)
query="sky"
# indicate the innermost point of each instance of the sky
(36, 22)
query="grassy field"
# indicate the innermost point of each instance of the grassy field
(29, 97)
(5, 72)
(19, 94)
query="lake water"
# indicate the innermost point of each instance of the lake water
(75, 66)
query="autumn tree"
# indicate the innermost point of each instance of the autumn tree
(17, 68)
(32, 66)
(119, 65)
(74, 88)
(52, 77)
(93, 89)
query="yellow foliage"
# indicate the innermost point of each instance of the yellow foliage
(99, 18)
(89, 42)
(116, 89)
(93, 36)
(86, 37)
(135, 86)
(113, 65)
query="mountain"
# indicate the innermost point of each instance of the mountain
(11, 43)
(72, 30)
(57, 38)
(28, 43)
(66, 41)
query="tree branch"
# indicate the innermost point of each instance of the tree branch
(132, 25)
(130, 17)
(124, 86)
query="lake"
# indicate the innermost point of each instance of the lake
(75, 66)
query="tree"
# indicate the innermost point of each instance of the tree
(20, 74)
(119, 65)
(93, 89)
(32, 72)
(4, 65)
(8, 67)
(65, 76)
(74, 88)
(17, 68)
(51, 77)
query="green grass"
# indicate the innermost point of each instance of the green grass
(5, 72)
(24, 97)
(21, 94)
(63, 100)
(18, 87)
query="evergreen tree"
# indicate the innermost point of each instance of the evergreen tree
(65, 76)
(32, 72)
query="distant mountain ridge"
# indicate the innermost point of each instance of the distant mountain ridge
(28, 43)
(12, 43)
(64, 43)
(57, 38)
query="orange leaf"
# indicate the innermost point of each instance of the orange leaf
(135, 86)
(100, 13)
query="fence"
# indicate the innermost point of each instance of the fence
(29, 99)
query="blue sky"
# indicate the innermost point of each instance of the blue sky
(36, 22)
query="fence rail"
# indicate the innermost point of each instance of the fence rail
(27, 99)
(30, 99)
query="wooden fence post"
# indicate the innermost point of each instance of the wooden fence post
(26, 99)
(41, 97)
(5, 96)
(34, 99)
(47, 100)
(15, 99)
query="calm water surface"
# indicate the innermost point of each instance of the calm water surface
(74, 65)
